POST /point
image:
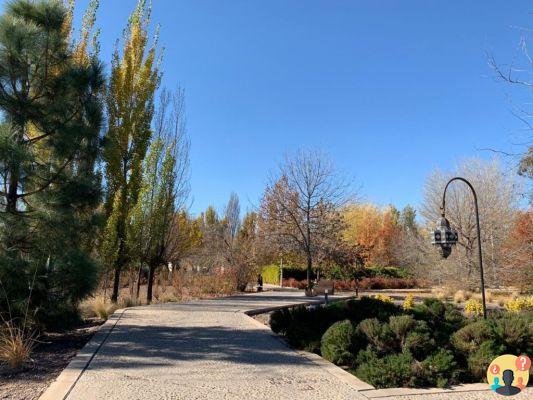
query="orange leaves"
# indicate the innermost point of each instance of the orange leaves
(373, 229)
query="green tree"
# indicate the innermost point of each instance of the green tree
(408, 220)
(51, 109)
(130, 107)
(164, 189)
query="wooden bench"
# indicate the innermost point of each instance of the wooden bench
(321, 287)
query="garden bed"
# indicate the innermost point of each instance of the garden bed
(49, 358)
(420, 346)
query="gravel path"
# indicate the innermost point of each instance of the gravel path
(204, 350)
(209, 349)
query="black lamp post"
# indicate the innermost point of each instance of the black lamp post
(446, 237)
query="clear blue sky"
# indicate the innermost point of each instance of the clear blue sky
(390, 89)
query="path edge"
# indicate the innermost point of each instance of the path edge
(63, 384)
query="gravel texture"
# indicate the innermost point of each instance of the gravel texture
(209, 349)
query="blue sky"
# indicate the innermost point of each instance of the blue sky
(390, 89)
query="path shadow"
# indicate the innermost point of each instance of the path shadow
(133, 346)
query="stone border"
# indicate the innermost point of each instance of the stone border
(61, 387)
(393, 393)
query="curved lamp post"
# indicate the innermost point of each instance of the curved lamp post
(446, 237)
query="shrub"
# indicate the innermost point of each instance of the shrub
(16, 345)
(520, 304)
(480, 359)
(481, 341)
(280, 320)
(409, 302)
(393, 370)
(291, 282)
(344, 285)
(442, 319)
(440, 369)
(387, 283)
(386, 272)
(368, 307)
(470, 337)
(304, 327)
(400, 333)
(514, 332)
(383, 298)
(337, 344)
(378, 335)
(461, 296)
(419, 342)
(401, 325)
(103, 310)
(473, 307)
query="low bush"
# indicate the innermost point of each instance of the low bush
(103, 310)
(473, 307)
(482, 340)
(409, 302)
(461, 296)
(368, 307)
(439, 369)
(338, 343)
(387, 283)
(520, 304)
(443, 319)
(16, 345)
(383, 298)
(392, 370)
(401, 333)
(291, 282)
(344, 285)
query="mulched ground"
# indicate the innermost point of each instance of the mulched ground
(50, 357)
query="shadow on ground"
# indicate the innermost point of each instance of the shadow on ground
(133, 346)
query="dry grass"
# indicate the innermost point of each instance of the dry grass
(442, 293)
(16, 345)
(461, 296)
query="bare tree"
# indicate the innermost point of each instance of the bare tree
(518, 73)
(497, 196)
(300, 205)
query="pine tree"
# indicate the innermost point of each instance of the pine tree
(52, 114)
(130, 106)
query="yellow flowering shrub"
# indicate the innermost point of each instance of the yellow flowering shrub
(409, 302)
(383, 298)
(524, 303)
(473, 307)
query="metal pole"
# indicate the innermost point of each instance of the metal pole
(478, 235)
(281, 272)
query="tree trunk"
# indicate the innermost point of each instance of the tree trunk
(309, 269)
(116, 284)
(150, 284)
(139, 280)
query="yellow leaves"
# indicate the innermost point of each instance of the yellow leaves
(473, 307)
(383, 298)
(524, 303)
(409, 302)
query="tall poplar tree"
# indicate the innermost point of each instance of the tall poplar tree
(130, 107)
